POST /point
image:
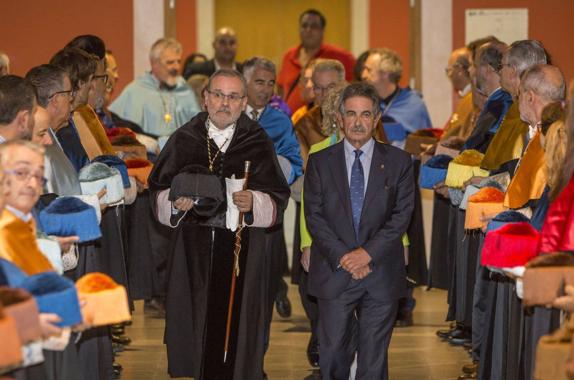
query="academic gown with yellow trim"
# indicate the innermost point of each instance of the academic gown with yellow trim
(508, 142)
(18, 244)
(92, 133)
(458, 124)
(530, 178)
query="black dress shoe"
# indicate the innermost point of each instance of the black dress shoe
(470, 368)
(313, 352)
(121, 339)
(446, 334)
(460, 339)
(117, 348)
(283, 305)
(155, 305)
(118, 329)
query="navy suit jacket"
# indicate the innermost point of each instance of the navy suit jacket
(387, 208)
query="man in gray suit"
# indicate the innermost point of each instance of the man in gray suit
(359, 197)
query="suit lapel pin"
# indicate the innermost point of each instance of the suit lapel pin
(382, 166)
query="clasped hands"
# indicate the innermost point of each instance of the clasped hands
(356, 262)
(242, 199)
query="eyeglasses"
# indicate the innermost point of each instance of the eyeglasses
(25, 175)
(69, 93)
(220, 96)
(104, 77)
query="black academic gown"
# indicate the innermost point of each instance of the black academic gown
(201, 259)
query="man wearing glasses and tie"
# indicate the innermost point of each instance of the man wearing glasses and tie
(213, 147)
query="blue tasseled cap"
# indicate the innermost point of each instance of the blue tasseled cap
(118, 163)
(69, 216)
(12, 274)
(395, 131)
(506, 217)
(94, 172)
(55, 294)
(434, 171)
(439, 162)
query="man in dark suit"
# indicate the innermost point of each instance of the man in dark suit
(224, 49)
(359, 197)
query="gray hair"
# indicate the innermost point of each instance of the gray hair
(253, 63)
(360, 89)
(47, 79)
(546, 81)
(228, 74)
(9, 145)
(330, 65)
(389, 62)
(4, 63)
(162, 44)
(526, 53)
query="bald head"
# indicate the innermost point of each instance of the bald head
(545, 80)
(42, 123)
(540, 85)
(457, 69)
(225, 46)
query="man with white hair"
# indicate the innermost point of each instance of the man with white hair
(160, 101)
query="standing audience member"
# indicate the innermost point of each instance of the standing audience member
(224, 53)
(159, 101)
(312, 25)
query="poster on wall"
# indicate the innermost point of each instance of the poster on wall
(506, 24)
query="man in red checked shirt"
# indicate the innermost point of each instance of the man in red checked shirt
(311, 29)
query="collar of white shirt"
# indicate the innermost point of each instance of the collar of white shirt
(222, 137)
(217, 67)
(532, 130)
(464, 91)
(19, 214)
(249, 110)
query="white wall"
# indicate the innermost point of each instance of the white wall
(148, 28)
(436, 35)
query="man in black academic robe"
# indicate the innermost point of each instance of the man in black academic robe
(201, 262)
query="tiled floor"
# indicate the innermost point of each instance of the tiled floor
(416, 352)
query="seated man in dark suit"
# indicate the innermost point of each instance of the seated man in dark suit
(359, 197)
(224, 48)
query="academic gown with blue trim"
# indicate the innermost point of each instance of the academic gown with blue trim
(280, 129)
(405, 113)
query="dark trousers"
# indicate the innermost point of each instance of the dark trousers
(309, 304)
(337, 338)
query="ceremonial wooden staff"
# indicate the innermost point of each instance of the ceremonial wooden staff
(235, 271)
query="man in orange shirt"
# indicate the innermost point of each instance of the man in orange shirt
(311, 29)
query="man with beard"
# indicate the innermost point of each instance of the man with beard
(160, 101)
(17, 108)
(225, 50)
(214, 146)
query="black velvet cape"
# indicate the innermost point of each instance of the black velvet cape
(201, 259)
